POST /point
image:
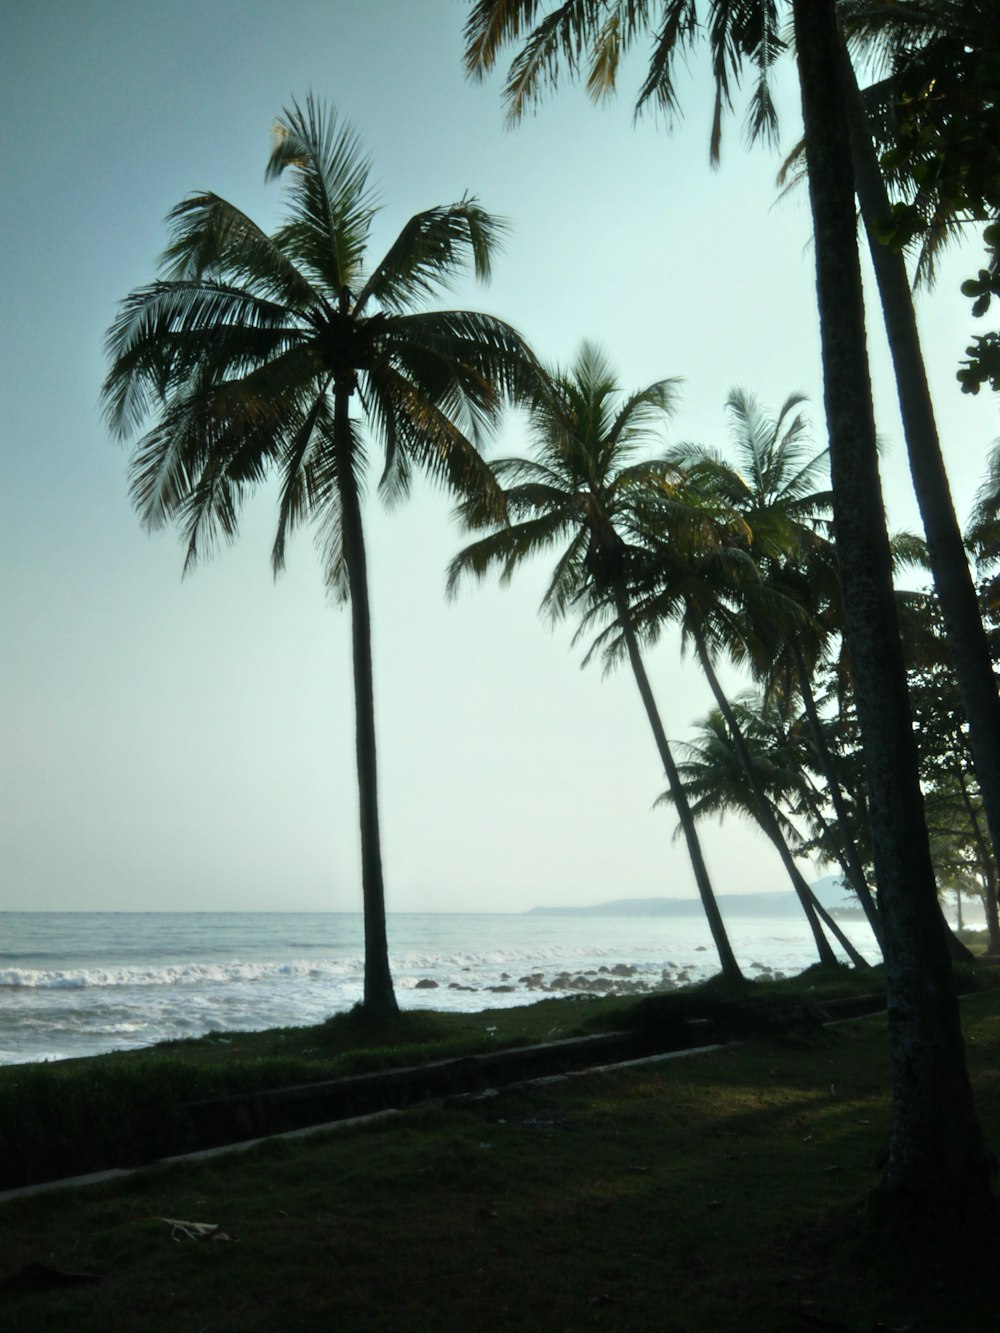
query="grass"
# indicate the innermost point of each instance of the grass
(721, 1192)
(74, 1116)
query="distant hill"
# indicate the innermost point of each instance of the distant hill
(828, 890)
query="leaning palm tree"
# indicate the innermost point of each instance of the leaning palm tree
(581, 492)
(716, 777)
(289, 356)
(776, 480)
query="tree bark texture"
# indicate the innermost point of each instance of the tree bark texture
(379, 995)
(936, 1153)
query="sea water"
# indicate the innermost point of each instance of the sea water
(80, 983)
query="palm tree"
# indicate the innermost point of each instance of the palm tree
(741, 763)
(936, 1158)
(581, 487)
(708, 586)
(253, 352)
(776, 486)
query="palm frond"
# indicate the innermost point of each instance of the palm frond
(506, 548)
(211, 237)
(489, 27)
(430, 251)
(676, 35)
(335, 466)
(294, 502)
(332, 202)
(561, 35)
(169, 331)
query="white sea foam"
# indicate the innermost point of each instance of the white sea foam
(181, 974)
(75, 984)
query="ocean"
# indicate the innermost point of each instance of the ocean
(81, 983)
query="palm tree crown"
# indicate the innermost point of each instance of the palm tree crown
(244, 343)
(581, 485)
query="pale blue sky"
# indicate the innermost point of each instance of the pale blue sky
(191, 745)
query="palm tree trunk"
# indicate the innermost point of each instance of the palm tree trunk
(727, 959)
(949, 563)
(765, 815)
(937, 1161)
(379, 996)
(856, 873)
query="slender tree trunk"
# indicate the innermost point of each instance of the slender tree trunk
(856, 874)
(727, 959)
(765, 815)
(937, 1162)
(379, 996)
(967, 641)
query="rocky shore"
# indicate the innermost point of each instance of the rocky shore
(619, 979)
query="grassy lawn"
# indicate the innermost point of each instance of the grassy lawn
(719, 1192)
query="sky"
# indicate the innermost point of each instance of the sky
(188, 744)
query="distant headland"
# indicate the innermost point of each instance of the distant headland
(829, 891)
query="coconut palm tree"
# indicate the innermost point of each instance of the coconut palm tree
(721, 778)
(776, 482)
(290, 356)
(706, 586)
(936, 1157)
(579, 493)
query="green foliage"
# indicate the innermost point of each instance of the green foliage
(240, 349)
(935, 114)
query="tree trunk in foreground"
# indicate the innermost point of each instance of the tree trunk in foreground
(937, 1162)
(956, 591)
(379, 996)
(727, 959)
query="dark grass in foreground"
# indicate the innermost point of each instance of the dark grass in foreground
(720, 1192)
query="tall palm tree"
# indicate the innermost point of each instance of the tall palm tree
(936, 1156)
(289, 356)
(581, 488)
